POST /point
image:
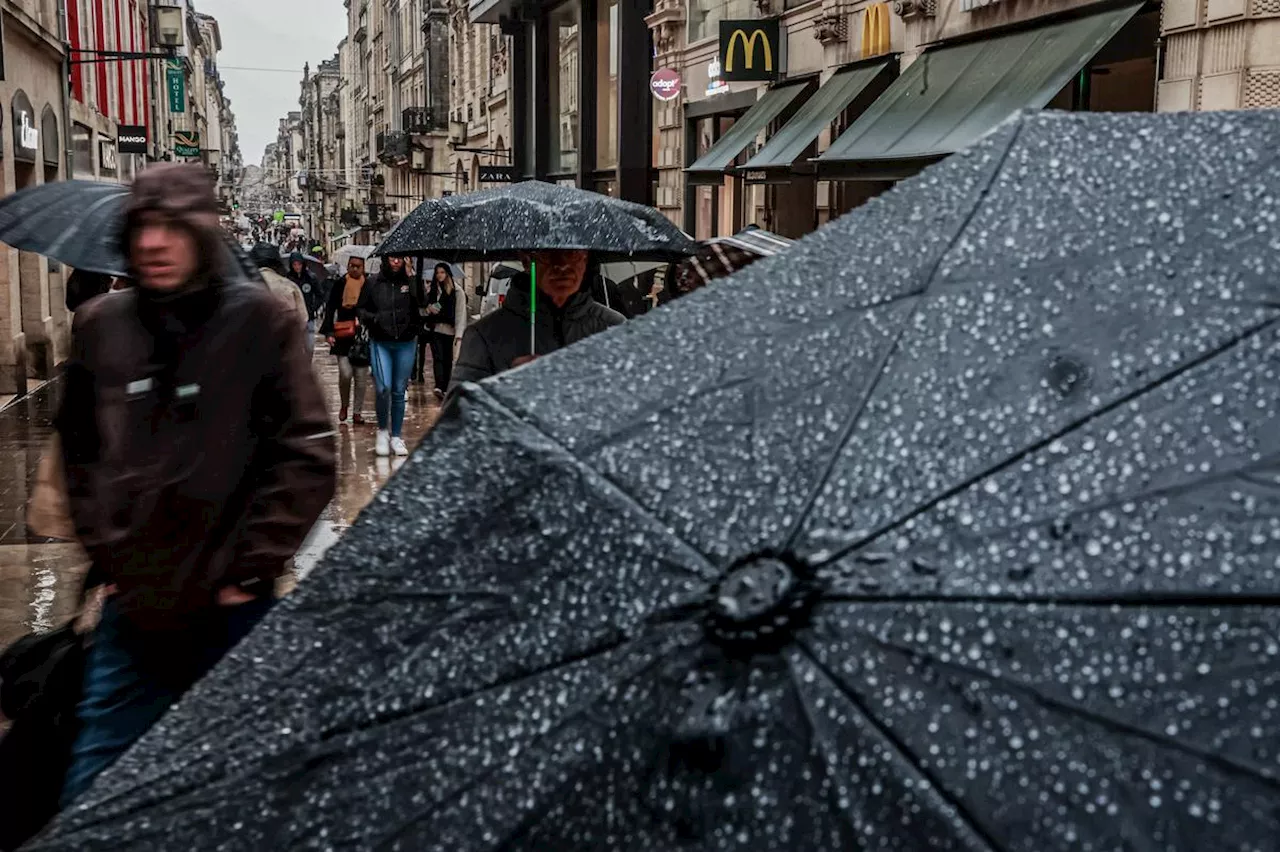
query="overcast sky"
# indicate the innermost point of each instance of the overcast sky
(271, 34)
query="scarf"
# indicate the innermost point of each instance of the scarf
(351, 291)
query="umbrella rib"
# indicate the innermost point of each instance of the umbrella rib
(926, 285)
(1072, 709)
(969, 819)
(575, 714)
(590, 473)
(1160, 600)
(1245, 473)
(1009, 461)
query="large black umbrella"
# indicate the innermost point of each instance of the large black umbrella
(495, 224)
(955, 527)
(76, 222)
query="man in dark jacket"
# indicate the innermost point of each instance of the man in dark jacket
(198, 453)
(299, 274)
(520, 331)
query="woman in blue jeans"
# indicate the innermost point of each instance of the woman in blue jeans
(389, 308)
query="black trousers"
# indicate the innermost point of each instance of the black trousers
(442, 359)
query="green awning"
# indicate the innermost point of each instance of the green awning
(952, 96)
(720, 156)
(789, 143)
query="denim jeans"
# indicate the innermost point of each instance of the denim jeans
(122, 699)
(392, 366)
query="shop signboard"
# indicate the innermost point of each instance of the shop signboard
(107, 156)
(665, 84)
(176, 83)
(497, 174)
(715, 85)
(26, 134)
(751, 49)
(131, 139)
(186, 143)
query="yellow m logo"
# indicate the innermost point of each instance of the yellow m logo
(875, 30)
(749, 50)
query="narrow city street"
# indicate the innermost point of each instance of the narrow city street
(39, 576)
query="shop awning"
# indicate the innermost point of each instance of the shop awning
(952, 96)
(776, 159)
(710, 167)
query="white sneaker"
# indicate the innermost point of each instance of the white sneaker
(383, 445)
(398, 447)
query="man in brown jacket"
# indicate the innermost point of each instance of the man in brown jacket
(198, 453)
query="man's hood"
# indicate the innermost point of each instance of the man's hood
(184, 194)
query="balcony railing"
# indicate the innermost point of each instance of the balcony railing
(422, 120)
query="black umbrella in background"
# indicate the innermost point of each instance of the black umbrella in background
(957, 527)
(76, 222)
(499, 223)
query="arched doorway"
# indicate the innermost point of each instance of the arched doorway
(50, 144)
(475, 172)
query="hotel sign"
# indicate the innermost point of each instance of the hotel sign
(751, 50)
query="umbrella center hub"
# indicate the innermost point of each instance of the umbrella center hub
(754, 589)
(759, 603)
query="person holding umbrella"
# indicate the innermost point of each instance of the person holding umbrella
(306, 281)
(446, 323)
(563, 313)
(198, 454)
(389, 308)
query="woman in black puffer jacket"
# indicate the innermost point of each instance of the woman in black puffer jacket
(389, 308)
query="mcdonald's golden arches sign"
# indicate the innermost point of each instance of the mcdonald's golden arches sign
(875, 30)
(751, 50)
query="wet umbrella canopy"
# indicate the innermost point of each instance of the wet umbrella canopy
(76, 222)
(961, 532)
(495, 224)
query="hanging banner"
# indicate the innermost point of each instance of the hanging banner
(186, 143)
(176, 83)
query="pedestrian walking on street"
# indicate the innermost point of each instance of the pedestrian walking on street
(340, 327)
(271, 267)
(310, 287)
(198, 455)
(446, 322)
(389, 309)
(564, 313)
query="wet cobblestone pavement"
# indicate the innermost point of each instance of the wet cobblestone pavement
(39, 577)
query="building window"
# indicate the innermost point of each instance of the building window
(81, 151)
(564, 25)
(705, 16)
(606, 84)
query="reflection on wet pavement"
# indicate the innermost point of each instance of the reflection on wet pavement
(39, 577)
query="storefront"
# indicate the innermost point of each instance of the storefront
(580, 73)
(1094, 58)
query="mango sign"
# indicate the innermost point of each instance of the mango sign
(665, 84)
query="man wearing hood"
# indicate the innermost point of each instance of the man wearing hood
(565, 313)
(198, 453)
(306, 281)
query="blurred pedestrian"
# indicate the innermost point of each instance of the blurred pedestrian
(340, 327)
(389, 309)
(565, 313)
(445, 315)
(191, 526)
(271, 267)
(83, 285)
(306, 281)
